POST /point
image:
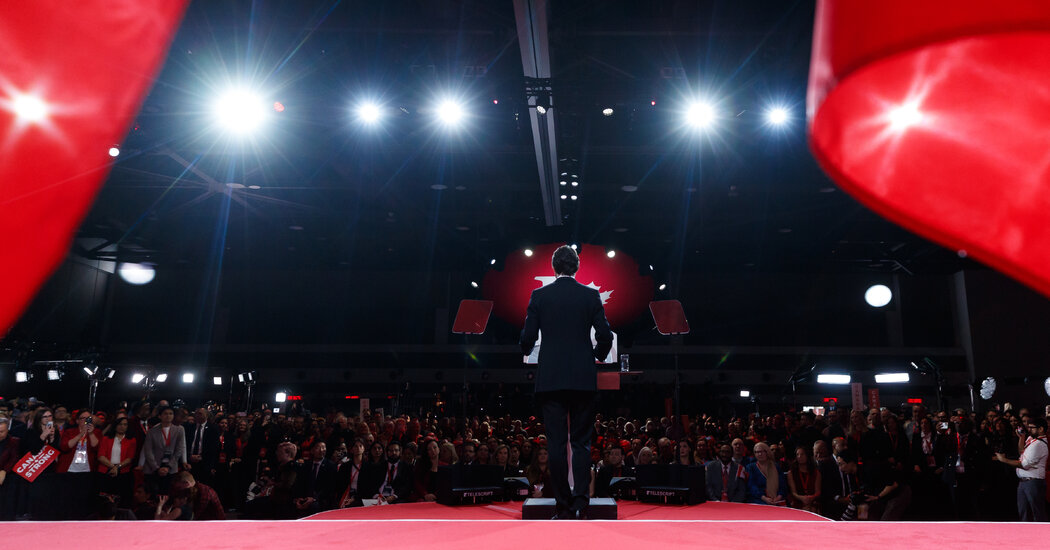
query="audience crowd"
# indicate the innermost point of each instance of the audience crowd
(155, 461)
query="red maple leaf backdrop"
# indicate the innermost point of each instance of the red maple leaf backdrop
(89, 63)
(511, 288)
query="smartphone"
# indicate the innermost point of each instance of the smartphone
(942, 426)
(50, 424)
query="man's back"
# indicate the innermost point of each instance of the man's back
(565, 311)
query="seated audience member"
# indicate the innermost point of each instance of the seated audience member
(276, 500)
(350, 474)
(614, 467)
(204, 501)
(502, 459)
(142, 505)
(316, 480)
(645, 456)
(447, 454)
(539, 475)
(395, 482)
(116, 453)
(426, 472)
(829, 479)
(514, 460)
(804, 481)
(106, 510)
(766, 483)
(726, 480)
(376, 454)
(468, 453)
(740, 452)
(684, 456)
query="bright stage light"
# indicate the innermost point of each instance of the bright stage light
(216, 380)
(905, 116)
(187, 378)
(136, 274)
(29, 108)
(280, 397)
(114, 152)
(449, 112)
(137, 377)
(988, 387)
(492, 261)
(663, 287)
(474, 284)
(21, 376)
(700, 115)
(573, 197)
(162, 378)
(611, 253)
(369, 112)
(878, 295)
(53, 374)
(240, 111)
(745, 393)
(777, 116)
(607, 111)
(563, 197)
(528, 252)
(833, 379)
(892, 378)
(541, 109)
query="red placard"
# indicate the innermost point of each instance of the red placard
(32, 465)
(472, 317)
(873, 398)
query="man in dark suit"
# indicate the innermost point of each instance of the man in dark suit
(392, 482)
(202, 439)
(316, 479)
(566, 380)
(725, 478)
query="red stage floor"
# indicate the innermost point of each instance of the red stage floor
(718, 525)
(626, 510)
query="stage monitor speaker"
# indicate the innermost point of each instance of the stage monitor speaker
(545, 508)
(459, 484)
(669, 483)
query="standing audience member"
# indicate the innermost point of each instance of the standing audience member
(1031, 471)
(164, 451)
(116, 453)
(9, 447)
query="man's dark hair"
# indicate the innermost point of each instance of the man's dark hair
(565, 261)
(1038, 422)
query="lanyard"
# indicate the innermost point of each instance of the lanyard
(166, 436)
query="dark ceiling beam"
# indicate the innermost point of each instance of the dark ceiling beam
(531, 17)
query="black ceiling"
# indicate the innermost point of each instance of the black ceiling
(335, 194)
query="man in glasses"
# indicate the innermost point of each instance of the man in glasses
(1031, 471)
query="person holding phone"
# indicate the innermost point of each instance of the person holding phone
(1031, 471)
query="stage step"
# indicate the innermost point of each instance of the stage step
(544, 508)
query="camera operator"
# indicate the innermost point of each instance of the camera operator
(879, 494)
(1031, 470)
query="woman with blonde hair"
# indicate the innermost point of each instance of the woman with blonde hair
(766, 483)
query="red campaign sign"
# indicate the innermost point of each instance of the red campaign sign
(32, 465)
(873, 398)
(625, 293)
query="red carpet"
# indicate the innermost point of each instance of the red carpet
(626, 510)
(512, 534)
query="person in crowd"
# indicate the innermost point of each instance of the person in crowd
(116, 454)
(829, 477)
(849, 501)
(426, 472)
(703, 453)
(766, 483)
(9, 449)
(349, 474)
(175, 507)
(645, 457)
(316, 479)
(468, 455)
(502, 459)
(740, 452)
(376, 454)
(967, 459)
(1031, 470)
(393, 482)
(514, 458)
(539, 475)
(684, 456)
(804, 481)
(202, 441)
(612, 468)
(447, 454)
(726, 479)
(204, 501)
(164, 452)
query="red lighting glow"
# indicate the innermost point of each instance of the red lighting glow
(352, 397)
(294, 398)
(831, 399)
(914, 401)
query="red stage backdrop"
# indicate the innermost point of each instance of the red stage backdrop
(934, 114)
(626, 294)
(72, 76)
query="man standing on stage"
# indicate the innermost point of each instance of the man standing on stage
(566, 380)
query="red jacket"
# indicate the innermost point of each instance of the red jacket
(10, 457)
(66, 455)
(128, 446)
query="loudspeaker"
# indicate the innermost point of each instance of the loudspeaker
(671, 483)
(459, 484)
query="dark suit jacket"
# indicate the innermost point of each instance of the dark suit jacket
(737, 490)
(209, 444)
(322, 487)
(565, 311)
(373, 476)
